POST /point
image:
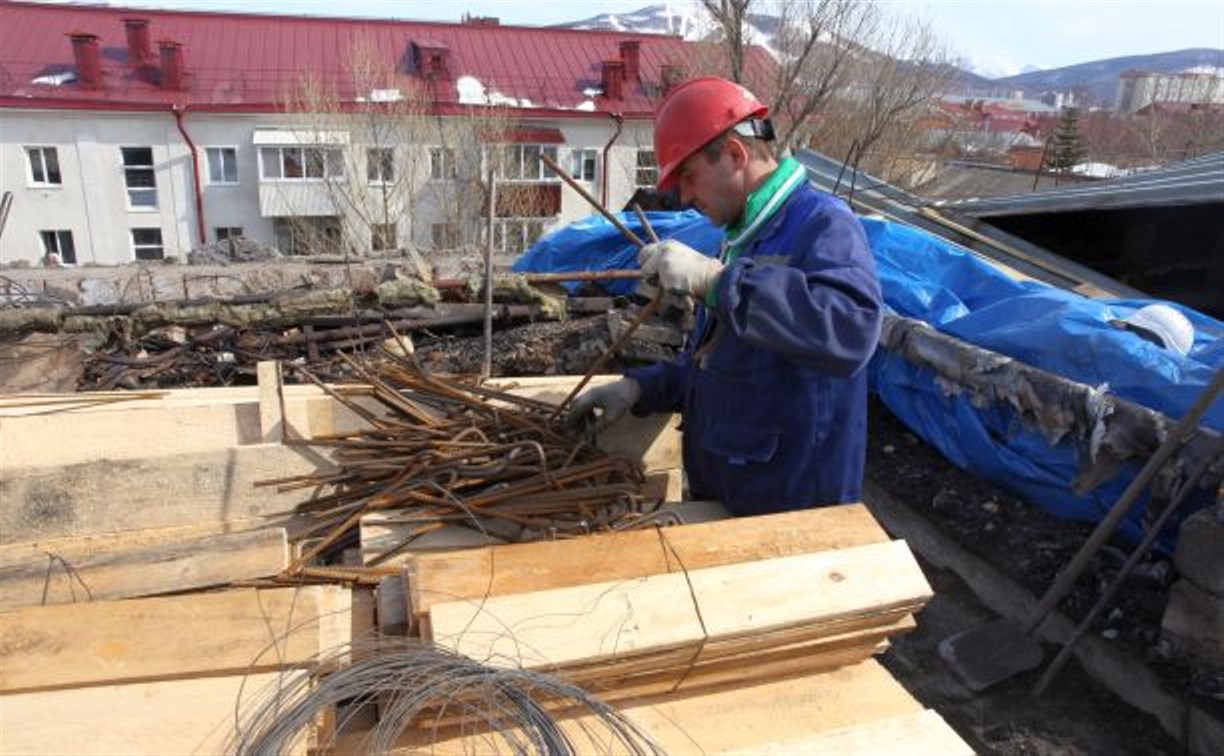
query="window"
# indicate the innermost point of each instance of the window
(297, 163)
(147, 243)
(44, 166)
(585, 161)
(139, 178)
(59, 243)
(647, 172)
(311, 235)
(227, 232)
(383, 237)
(222, 165)
(380, 165)
(445, 235)
(521, 162)
(442, 163)
(514, 235)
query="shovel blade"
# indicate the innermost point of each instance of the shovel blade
(988, 654)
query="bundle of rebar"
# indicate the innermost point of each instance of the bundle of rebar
(439, 451)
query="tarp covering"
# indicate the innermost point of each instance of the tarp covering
(594, 244)
(929, 279)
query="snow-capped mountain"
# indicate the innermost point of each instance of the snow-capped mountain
(685, 19)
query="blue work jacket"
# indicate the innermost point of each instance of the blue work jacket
(772, 385)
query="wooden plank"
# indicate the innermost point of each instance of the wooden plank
(919, 732)
(733, 719)
(142, 640)
(157, 492)
(177, 717)
(271, 401)
(657, 612)
(519, 568)
(45, 576)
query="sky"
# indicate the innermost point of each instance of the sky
(998, 37)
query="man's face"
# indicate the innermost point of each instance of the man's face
(715, 188)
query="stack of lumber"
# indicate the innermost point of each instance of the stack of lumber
(685, 624)
(160, 675)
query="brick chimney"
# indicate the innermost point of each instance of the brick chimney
(88, 60)
(140, 50)
(631, 54)
(614, 79)
(172, 74)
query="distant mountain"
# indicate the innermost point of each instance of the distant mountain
(1097, 81)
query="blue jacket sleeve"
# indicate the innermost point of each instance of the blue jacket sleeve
(823, 308)
(662, 385)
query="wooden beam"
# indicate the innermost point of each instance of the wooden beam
(158, 492)
(230, 632)
(919, 732)
(36, 576)
(600, 621)
(271, 401)
(518, 568)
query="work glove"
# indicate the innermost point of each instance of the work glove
(678, 269)
(598, 407)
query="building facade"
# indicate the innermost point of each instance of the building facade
(311, 135)
(1139, 89)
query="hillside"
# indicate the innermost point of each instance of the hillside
(1099, 78)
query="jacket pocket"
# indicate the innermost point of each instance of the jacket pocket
(741, 444)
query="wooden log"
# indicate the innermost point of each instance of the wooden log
(593, 622)
(110, 496)
(35, 576)
(180, 716)
(519, 568)
(230, 632)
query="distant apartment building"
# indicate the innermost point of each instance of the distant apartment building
(312, 133)
(1139, 89)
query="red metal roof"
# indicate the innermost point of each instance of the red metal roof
(243, 63)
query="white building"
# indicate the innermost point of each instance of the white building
(309, 133)
(1138, 89)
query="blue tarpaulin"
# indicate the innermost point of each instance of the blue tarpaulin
(594, 244)
(929, 279)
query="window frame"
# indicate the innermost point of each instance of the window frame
(378, 232)
(42, 150)
(229, 232)
(151, 168)
(524, 232)
(331, 163)
(578, 158)
(137, 247)
(638, 168)
(449, 170)
(58, 235)
(384, 161)
(233, 148)
(544, 175)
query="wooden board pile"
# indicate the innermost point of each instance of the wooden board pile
(681, 619)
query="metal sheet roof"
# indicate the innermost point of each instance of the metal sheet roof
(243, 62)
(1192, 182)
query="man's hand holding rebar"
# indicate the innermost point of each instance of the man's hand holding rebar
(597, 407)
(678, 268)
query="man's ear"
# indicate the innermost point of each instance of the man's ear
(739, 152)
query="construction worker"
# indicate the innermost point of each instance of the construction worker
(772, 385)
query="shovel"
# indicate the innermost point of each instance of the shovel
(990, 653)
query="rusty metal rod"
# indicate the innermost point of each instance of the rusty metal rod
(594, 202)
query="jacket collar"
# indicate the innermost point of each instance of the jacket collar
(763, 203)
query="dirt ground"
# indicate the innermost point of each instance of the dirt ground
(1076, 715)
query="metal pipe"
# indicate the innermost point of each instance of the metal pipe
(486, 365)
(179, 112)
(603, 177)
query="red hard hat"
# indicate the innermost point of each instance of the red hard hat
(695, 113)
